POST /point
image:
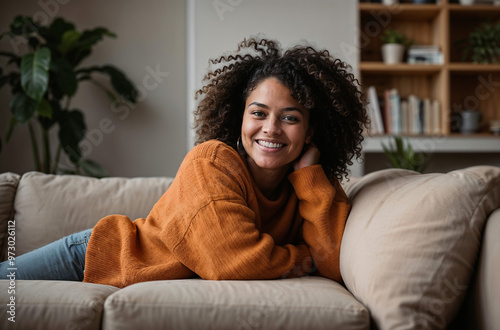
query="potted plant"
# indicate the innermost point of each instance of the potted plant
(45, 80)
(402, 155)
(483, 44)
(395, 43)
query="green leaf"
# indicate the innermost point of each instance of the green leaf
(12, 124)
(44, 109)
(87, 40)
(69, 41)
(71, 131)
(47, 122)
(64, 75)
(33, 43)
(90, 37)
(121, 83)
(35, 73)
(23, 25)
(58, 28)
(23, 107)
(93, 168)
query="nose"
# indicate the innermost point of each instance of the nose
(272, 126)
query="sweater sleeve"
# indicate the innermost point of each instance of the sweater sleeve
(324, 208)
(221, 241)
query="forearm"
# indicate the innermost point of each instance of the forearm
(324, 208)
(236, 250)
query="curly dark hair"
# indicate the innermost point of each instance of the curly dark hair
(319, 82)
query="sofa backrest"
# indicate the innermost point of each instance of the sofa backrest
(48, 207)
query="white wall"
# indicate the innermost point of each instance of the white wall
(216, 27)
(150, 139)
(154, 138)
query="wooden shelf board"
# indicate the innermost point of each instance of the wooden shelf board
(455, 7)
(400, 68)
(456, 143)
(401, 11)
(473, 68)
(481, 135)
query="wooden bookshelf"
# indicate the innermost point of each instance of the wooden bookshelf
(455, 84)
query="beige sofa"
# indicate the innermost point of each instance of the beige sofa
(419, 251)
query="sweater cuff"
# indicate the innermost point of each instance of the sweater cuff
(310, 178)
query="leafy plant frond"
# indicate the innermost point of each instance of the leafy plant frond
(482, 44)
(401, 155)
(393, 36)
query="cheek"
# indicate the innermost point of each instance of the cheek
(248, 128)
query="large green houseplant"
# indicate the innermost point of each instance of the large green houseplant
(44, 81)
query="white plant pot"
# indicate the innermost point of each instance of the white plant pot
(467, 2)
(393, 53)
(389, 2)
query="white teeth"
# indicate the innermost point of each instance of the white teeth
(269, 144)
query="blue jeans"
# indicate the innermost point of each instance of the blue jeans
(61, 260)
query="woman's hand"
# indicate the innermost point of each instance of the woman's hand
(310, 156)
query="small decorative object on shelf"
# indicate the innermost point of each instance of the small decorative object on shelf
(395, 43)
(495, 127)
(425, 54)
(484, 43)
(467, 2)
(469, 121)
(389, 2)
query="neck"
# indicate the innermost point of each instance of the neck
(268, 180)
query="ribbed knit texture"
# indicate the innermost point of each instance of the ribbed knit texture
(213, 222)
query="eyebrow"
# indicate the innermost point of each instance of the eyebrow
(262, 105)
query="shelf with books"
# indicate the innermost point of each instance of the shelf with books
(391, 114)
(454, 85)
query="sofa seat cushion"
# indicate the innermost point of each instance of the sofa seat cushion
(53, 304)
(302, 303)
(411, 242)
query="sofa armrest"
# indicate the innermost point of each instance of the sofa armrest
(8, 187)
(480, 308)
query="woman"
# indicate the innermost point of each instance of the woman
(257, 198)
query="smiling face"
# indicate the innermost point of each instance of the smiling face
(275, 128)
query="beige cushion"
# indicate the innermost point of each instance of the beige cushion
(48, 207)
(301, 303)
(54, 305)
(411, 242)
(8, 186)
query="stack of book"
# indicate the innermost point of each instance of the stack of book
(409, 116)
(420, 54)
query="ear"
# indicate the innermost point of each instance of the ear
(309, 136)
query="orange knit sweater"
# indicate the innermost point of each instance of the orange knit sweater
(215, 223)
